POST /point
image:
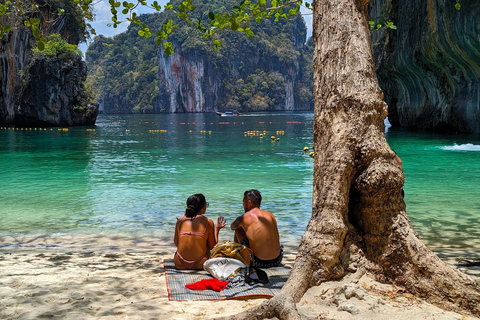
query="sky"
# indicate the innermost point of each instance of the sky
(103, 18)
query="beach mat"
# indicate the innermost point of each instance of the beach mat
(177, 279)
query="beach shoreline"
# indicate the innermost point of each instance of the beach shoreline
(119, 277)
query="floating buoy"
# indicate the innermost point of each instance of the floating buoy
(272, 137)
(305, 149)
(278, 139)
(312, 154)
(127, 130)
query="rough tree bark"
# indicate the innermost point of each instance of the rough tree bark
(358, 218)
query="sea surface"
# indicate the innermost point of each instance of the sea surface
(131, 175)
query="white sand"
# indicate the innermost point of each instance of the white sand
(105, 277)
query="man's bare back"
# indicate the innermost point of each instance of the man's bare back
(260, 228)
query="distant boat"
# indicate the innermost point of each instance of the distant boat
(227, 114)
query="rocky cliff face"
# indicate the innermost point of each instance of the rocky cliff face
(15, 49)
(429, 68)
(41, 91)
(52, 93)
(237, 77)
(187, 87)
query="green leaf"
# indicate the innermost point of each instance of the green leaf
(216, 44)
(41, 45)
(168, 48)
(211, 15)
(36, 32)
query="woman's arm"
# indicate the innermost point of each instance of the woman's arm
(175, 238)
(221, 222)
(212, 238)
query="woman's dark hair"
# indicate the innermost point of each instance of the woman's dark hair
(195, 203)
(253, 195)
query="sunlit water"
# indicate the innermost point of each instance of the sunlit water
(130, 175)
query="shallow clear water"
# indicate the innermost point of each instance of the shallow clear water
(125, 176)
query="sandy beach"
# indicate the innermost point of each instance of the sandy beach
(115, 277)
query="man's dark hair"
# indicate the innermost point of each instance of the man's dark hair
(253, 195)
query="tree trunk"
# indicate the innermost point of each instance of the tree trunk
(358, 218)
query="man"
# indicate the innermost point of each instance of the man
(257, 229)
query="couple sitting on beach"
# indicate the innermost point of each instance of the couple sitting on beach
(196, 235)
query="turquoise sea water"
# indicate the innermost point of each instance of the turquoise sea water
(131, 175)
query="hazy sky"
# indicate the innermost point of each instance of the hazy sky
(103, 17)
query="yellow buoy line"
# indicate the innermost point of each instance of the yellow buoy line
(25, 129)
(39, 129)
(254, 133)
(249, 133)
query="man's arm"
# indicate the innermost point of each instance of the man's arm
(237, 223)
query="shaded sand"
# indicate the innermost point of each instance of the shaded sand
(108, 277)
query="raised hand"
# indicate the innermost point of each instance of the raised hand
(221, 222)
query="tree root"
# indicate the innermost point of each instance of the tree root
(281, 306)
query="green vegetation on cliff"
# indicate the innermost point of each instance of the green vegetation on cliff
(253, 72)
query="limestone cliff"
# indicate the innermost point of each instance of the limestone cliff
(49, 90)
(265, 74)
(270, 71)
(52, 93)
(429, 68)
(15, 50)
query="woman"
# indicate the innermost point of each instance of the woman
(195, 234)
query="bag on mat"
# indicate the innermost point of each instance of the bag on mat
(234, 250)
(223, 268)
